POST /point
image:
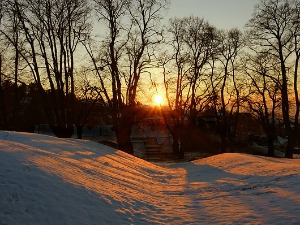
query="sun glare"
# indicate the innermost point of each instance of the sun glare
(158, 99)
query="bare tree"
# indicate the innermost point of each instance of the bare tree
(12, 27)
(194, 43)
(3, 122)
(52, 31)
(87, 96)
(296, 42)
(274, 30)
(199, 38)
(132, 43)
(178, 103)
(201, 56)
(231, 42)
(2, 107)
(264, 93)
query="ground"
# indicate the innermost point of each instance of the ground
(50, 181)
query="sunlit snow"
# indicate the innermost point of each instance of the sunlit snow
(45, 180)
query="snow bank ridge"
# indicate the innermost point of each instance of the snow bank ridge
(45, 180)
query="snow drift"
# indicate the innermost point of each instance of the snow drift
(45, 180)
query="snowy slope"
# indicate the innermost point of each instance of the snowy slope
(45, 180)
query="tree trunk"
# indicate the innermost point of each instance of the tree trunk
(3, 120)
(223, 141)
(124, 142)
(285, 105)
(79, 129)
(123, 134)
(16, 89)
(176, 146)
(62, 131)
(290, 146)
(223, 132)
(271, 145)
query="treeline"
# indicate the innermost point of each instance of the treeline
(103, 51)
(22, 109)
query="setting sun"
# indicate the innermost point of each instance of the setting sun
(158, 99)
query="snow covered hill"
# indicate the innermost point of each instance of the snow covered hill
(50, 181)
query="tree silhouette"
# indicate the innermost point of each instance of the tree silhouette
(126, 55)
(274, 30)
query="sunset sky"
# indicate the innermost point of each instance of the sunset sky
(224, 14)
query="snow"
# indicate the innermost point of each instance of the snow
(50, 181)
